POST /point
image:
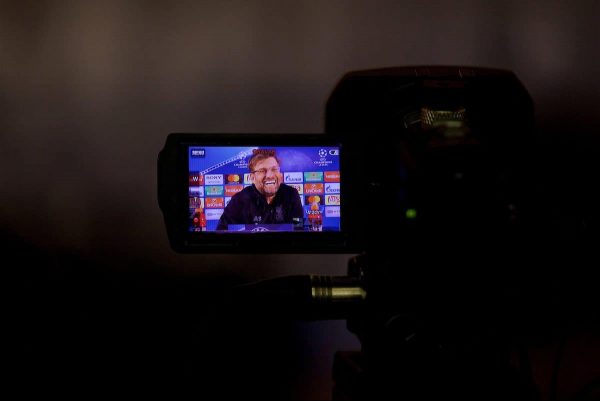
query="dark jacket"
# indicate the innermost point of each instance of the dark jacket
(249, 207)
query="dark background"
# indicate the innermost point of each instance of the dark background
(89, 92)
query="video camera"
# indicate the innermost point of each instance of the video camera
(405, 149)
(422, 172)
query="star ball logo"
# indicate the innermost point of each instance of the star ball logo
(325, 156)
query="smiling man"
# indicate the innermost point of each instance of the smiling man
(268, 200)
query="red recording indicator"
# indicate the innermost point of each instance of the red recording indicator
(332, 176)
(196, 179)
(214, 203)
(310, 189)
(231, 190)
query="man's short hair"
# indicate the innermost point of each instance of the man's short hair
(259, 155)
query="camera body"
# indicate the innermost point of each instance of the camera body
(448, 147)
(419, 152)
(440, 261)
(435, 196)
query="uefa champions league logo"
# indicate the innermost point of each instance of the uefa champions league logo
(259, 229)
(324, 157)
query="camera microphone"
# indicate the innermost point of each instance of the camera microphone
(303, 296)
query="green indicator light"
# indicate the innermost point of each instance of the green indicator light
(411, 213)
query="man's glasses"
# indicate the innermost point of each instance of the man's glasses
(263, 171)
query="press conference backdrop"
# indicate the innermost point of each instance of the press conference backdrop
(218, 173)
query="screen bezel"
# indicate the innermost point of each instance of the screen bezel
(176, 208)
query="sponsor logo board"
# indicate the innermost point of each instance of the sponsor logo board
(332, 211)
(196, 179)
(292, 178)
(332, 188)
(313, 176)
(196, 202)
(213, 190)
(312, 189)
(231, 190)
(333, 200)
(213, 214)
(214, 203)
(299, 188)
(213, 179)
(332, 176)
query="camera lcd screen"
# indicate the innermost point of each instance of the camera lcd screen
(254, 189)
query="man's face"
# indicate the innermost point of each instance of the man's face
(267, 176)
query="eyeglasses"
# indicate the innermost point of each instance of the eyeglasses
(263, 171)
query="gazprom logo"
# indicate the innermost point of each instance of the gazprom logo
(197, 152)
(292, 178)
(332, 188)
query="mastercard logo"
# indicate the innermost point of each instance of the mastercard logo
(233, 178)
(314, 199)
